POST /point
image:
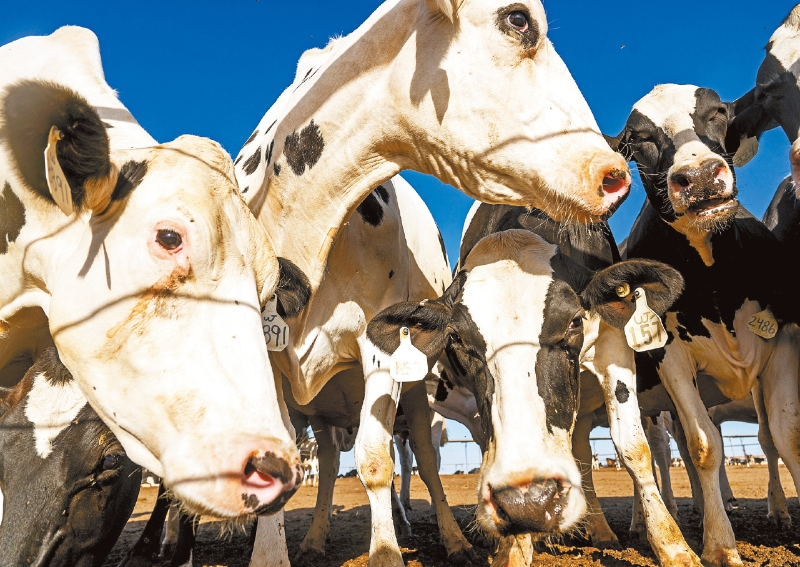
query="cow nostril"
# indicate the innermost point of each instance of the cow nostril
(615, 181)
(680, 180)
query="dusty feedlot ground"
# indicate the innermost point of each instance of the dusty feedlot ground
(759, 543)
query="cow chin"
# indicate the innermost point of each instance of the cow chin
(542, 502)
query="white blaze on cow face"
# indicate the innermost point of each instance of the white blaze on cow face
(530, 447)
(51, 407)
(157, 315)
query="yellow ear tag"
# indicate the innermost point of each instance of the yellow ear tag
(748, 148)
(56, 181)
(276, 331)
(644, 331)
(408, 363)
(763, 324)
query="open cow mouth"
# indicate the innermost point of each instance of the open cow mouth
(712, 207)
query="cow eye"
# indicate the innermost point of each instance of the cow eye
(110, 462)
(518, 20)
(169, 239)
(576, 324)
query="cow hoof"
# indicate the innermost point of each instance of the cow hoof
(403, 529)
(607, 543)
(723, 558)
(465, 556)
(781, 520)
(166, 551)
(639, 532)
(310, 557)
(386, 556)
(136, 561)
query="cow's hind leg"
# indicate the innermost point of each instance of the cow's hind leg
(403, 446)
(418, 415)
(597, 528)
(313, 545)
(145, 552)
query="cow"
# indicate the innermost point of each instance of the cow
(516, 130)
(775, 99)
(67, 487)
(521, 355)
(732, 267)
(151, 287)
(402, 443)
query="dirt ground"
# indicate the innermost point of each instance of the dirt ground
(758, 542)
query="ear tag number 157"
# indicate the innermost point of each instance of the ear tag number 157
(276, 331)
(644, 331)
(408, 363)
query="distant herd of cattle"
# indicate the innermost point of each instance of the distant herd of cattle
(165, 305)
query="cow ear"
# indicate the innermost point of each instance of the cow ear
(610, 291)
(29, 110)
(294, 289)
(427, 321)
(446, 7)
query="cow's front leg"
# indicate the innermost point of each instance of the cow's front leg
(704, 443)
(313, 545)
(418, 415)
(269, 549)
(614, 366)
(374, 461)
(597, 527)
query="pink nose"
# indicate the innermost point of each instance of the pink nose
(268, 481)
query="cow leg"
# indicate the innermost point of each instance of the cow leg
(597, 527)
(514, 551)
(418, 415)
(705, 449)
(615, 367)
(374, 461)
(694, 480)
(171, 533)
(146, 550)
(662, 454)
(269, 549)
(724, 484)
(777, 511)
(401, 523)
(406, 465)
(313, 545)
(186, 537)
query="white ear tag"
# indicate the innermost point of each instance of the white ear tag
(408, 363)
(763, 324)
(748, 148)
(644, 331)
(276, 331)
(56, 181)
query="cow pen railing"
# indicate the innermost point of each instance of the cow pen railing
(737, 448)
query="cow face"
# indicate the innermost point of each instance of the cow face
(676, 135)
(69, 486)
(156, 309)
(508, 122)
(775, 100)
(511, 326)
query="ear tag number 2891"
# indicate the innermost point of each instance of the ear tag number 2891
(56, 180)
(644, 331)
(276, 331)
(408, 363)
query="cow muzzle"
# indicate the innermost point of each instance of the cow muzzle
(703, 191)
(536, 508)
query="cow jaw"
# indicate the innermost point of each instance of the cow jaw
(164, 300)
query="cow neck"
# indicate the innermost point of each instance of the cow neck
(365, 139)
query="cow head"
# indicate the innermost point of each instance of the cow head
(775, 100)
(156, 309)
(506, 119)
(511, 327)
(676, 136)
(69, 488)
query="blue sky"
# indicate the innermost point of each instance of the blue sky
(214, 68)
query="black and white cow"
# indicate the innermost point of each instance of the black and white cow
(151, 287)
(67, 486)
(732, 266)
(520, 353)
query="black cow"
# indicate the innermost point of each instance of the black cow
(68, 487)
(732, 266)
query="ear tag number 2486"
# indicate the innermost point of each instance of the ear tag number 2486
(276, 331)
(644, 331)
